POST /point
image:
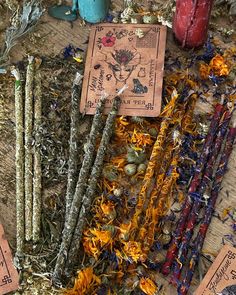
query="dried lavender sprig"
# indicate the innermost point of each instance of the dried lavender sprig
(70, 224)
(187, 206)
(197, 204)
(20, 214)
(37, 180)
(73, 153)
(199, 241)
(28, 148)
(91, 190)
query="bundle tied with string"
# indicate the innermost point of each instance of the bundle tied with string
(187, 206)
(198, 195)
(83, 196)
(209, 210)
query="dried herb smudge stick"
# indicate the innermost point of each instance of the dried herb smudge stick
(28, 148)
(95, 174)
(160, 196)
(198, 243)
(153, 165)
(37, 181)
(173, 248)
(19, 164)
(70, 224)
(198, 195)
(73, 153)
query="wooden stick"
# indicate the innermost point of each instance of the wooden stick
(28, 149)
(95, 174)
(73, 153)
(79, 191)
(37, 181)
(20, 222)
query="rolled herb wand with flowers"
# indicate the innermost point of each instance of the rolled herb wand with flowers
(160, 196)
(186, 209)
(154, 162)
(198, 195)
(199, 241)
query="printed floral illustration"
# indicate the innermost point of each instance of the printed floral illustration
(108, 41)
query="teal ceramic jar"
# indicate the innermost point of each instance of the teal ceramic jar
(93, 11)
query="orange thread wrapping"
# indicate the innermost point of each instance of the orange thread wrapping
(154, 163)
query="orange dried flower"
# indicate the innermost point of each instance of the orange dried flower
(148, 286)
(90, 247)
(133, 250)
(141, 139)
(204, 71)
(118, 162)
(124, 229)
(85, 281)
(108, 210)
(103, 236)
(219, 66)
(94, 240)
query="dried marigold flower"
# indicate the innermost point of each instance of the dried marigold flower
(219, 66)
(85, 281)
(133, 250)
(204, 71)
(148, 286)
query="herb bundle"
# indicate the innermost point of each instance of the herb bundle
(28, 114)
(209, 210)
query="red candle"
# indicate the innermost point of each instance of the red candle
(191, 21)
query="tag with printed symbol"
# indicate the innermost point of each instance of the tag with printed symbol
(221, 277)
(9, 277)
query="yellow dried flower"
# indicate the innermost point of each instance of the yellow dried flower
(85, 281)
(219, 66)
(148, 286)
(94, 240)
(108, 210)
(124, 229)
(103, 236)
(133, 250)
(90, 247)
(141, 140)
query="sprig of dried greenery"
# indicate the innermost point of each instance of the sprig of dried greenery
(31, 13)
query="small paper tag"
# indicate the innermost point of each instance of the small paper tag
(221, 277)
(125, 55)
(9, 277)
